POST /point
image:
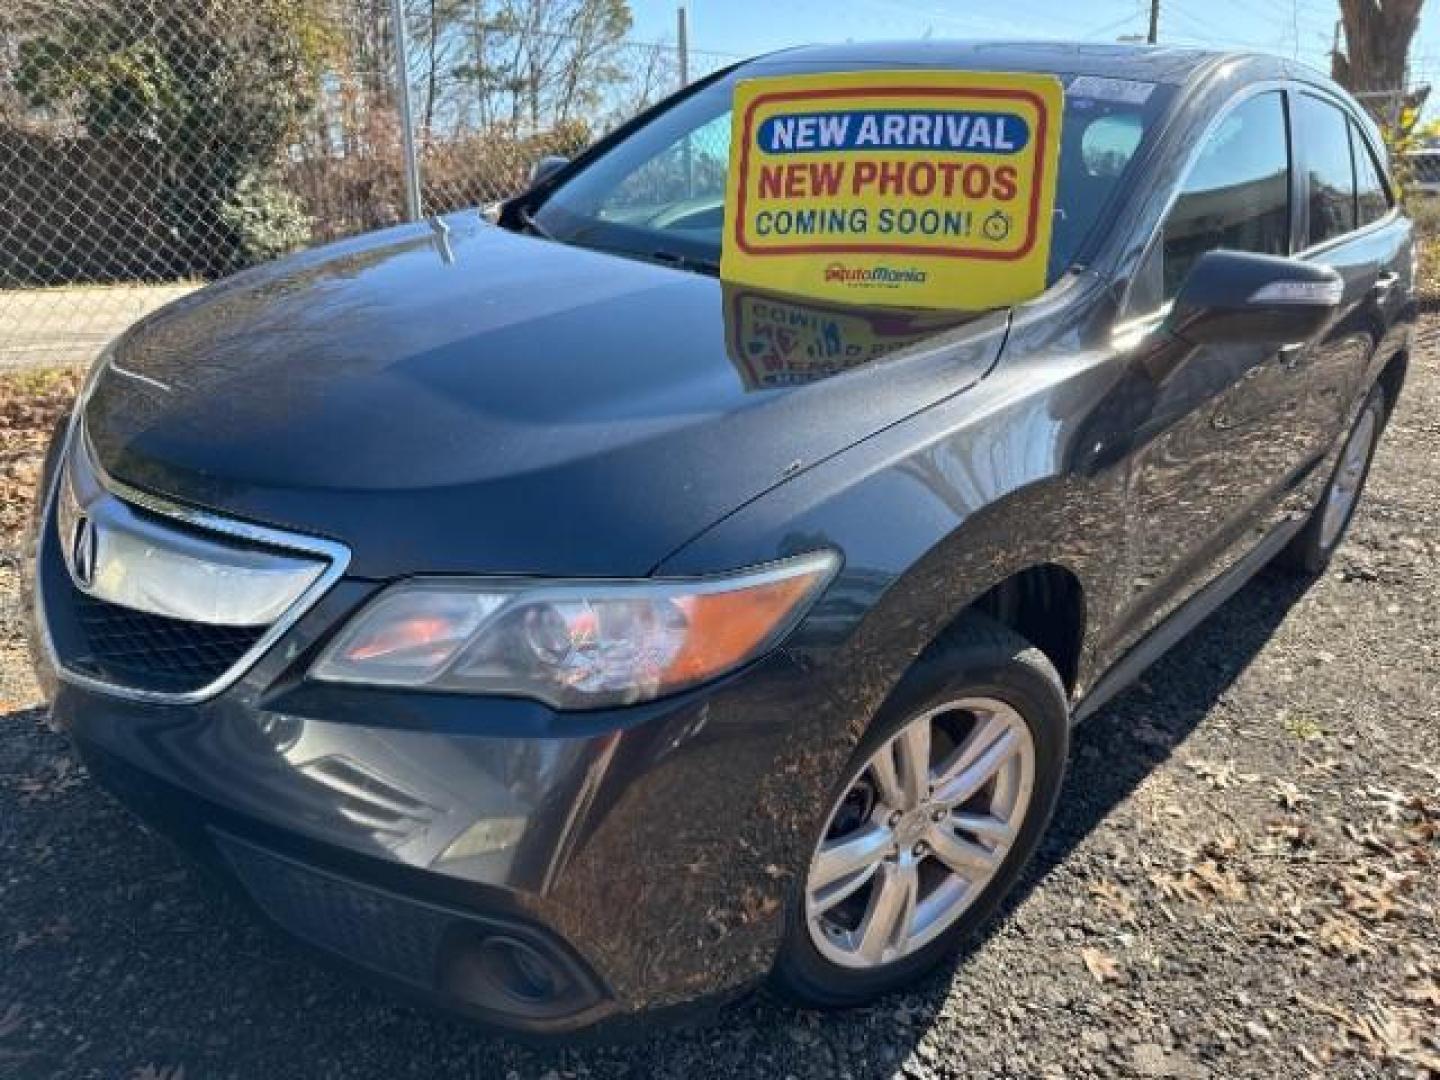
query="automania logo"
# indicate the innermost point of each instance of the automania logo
(874, 275)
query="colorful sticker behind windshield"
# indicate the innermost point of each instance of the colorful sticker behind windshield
(927, 189)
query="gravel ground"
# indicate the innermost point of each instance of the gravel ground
(1241, 880)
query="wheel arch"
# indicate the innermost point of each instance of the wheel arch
(1045, 605)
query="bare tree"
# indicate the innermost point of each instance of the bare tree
(441, 26)
(653, 72)
(538, 62)
(1375, 54)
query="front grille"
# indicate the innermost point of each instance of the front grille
(175, 601)
(148, 652)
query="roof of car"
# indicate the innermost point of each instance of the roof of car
(1151, 63)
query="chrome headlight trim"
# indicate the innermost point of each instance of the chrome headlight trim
(334, 555)
(484, 610)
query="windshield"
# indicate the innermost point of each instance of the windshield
(660, 193)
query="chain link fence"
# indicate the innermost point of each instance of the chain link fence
(149, 146)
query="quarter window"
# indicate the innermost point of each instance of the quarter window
(1372, 200)
(1323, 134)
(1237, 195)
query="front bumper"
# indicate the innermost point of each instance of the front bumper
(628, 861)
(642, 861)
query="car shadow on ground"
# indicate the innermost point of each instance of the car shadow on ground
(156, 963)
(1122, 744)
(1125, 742)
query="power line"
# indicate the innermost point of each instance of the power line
(1281, 19)
(1199, 30)
(1113, 25)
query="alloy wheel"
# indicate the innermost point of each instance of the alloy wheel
(920, 830)
(1344, 490)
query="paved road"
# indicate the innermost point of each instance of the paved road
(51, 327)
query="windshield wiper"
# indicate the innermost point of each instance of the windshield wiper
(691, 263)
(686, 262)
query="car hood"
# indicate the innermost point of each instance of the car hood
(452, 397)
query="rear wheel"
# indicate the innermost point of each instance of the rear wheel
(942, 804)
(1314, 546)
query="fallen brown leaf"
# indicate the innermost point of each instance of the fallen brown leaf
(1342, 937)
(1101, 966)
(1113, 899)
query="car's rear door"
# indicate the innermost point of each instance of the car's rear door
(1349, 224)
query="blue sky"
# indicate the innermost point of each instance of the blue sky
(1300, 28)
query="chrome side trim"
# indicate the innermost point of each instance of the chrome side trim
(336, 555)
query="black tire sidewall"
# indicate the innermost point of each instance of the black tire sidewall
(992, 663)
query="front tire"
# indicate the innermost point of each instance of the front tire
(940, 807)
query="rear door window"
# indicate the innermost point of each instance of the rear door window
(1322, 132)
(1372, 199)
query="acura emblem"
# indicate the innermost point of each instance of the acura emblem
(84, 551)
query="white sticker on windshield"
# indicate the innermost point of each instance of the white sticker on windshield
(1099, 88)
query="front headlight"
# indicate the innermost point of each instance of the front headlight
(573, 645)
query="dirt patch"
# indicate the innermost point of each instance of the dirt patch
(30, 404)
(1241, 880)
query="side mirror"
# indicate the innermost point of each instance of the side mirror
(547, 167)
(1237, 297)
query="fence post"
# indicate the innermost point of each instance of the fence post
(411, 163)
(682, 48)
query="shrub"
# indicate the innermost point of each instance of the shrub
(205, 98)
(264, 219)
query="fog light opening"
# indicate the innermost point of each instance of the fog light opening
(520, 971)
(514, 976)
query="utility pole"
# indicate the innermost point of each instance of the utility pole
(682, 45)
(682, 48)
(1154, 33)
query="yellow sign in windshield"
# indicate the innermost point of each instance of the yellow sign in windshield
(931, 189)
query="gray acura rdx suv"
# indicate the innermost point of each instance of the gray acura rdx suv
(519, 613)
